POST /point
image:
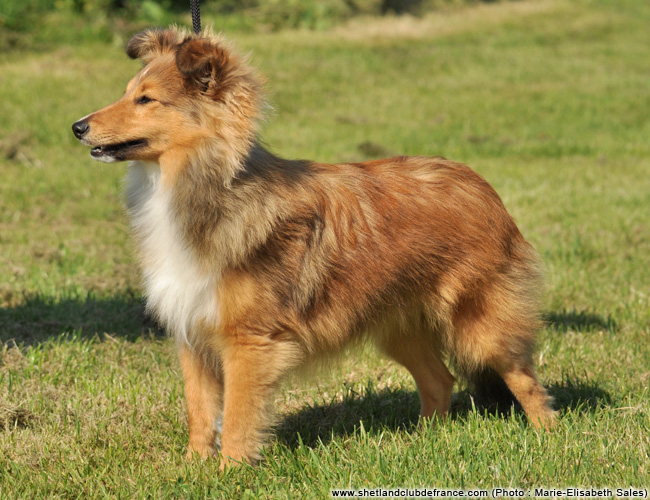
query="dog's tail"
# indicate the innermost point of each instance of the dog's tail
(494, 336)
(489, 389)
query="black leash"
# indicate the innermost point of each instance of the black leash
(196, 16)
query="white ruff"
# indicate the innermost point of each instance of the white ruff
(179, 291)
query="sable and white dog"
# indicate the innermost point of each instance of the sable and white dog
(258, 265)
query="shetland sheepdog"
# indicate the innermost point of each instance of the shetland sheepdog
(258, 265)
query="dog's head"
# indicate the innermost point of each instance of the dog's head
(191, 89)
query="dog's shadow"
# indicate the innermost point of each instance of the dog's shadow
(38, 318)
(398, 409)
(567, 320)
(386, 409)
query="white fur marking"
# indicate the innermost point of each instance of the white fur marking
(179, 290)
(104, 158)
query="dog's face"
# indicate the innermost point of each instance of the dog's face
(182, 94)
(141, 124)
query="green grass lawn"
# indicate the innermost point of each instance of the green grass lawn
(549, 100)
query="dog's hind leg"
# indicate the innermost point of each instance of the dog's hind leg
(432, 378)
(534, 399)
(203, 394)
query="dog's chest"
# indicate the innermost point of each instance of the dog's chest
(179, 290)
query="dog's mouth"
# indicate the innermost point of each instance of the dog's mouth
(116, 152)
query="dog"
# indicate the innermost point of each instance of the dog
(259, 265)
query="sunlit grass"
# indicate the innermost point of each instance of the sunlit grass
(548, 100)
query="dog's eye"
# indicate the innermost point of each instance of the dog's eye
(144, 100)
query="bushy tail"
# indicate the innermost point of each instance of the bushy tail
(489, 389)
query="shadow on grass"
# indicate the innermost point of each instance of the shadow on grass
(386, 409)
(564, 321)
(39, 318)
(579, 395)
(393, 410)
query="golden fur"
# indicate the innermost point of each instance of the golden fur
(257, 265)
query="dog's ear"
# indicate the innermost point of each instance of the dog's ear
(149, 43)
(205, 65)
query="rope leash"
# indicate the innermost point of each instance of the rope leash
(196, 16)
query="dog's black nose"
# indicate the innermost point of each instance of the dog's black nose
(80, 128)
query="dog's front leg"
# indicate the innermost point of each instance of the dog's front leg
(203, 397)
(253, 367)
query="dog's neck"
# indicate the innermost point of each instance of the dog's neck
(230, 209)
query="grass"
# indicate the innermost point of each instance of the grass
(547, 99)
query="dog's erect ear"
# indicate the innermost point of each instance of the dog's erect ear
(205, 64)
(150, 43)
